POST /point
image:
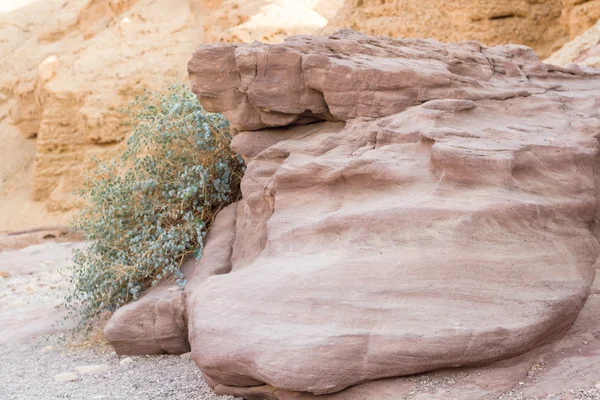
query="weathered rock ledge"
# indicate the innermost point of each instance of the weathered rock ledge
(408, 206)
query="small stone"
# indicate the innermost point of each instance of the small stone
(126, 361)
(597, 385)
(92, 369)
(4, 274)
(66, 377)
(187, 355)
(521, 383)
(46, 349)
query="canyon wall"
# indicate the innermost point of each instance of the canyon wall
(543, 25)
(583, 50)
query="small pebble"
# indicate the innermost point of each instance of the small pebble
(46, 349)
(92, 369)
(66, 377)
(126, 361)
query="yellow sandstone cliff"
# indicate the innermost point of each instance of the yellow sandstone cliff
(544, 25)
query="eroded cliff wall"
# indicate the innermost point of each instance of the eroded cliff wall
(543, 25)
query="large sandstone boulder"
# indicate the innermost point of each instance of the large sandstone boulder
(408, 206)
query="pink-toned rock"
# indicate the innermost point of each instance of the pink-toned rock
(216, 257)
(553, 371)
(408, 206)
(154, 324)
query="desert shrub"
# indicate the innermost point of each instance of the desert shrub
(150, 209)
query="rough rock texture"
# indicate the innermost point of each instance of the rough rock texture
(157, 323)
(584, 50)
(544, 25)
(408, 206)
(76, 65)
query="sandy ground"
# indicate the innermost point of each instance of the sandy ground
(32, 286)
(34, 347)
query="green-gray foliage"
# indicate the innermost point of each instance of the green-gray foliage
(150, 209)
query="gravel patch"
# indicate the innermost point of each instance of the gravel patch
(590, 394)
(32, 286)
(27, 373)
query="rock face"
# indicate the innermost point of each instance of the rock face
(543, 25)
(584, 50)
(155, 324)
(18, 240)
(407, 206)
